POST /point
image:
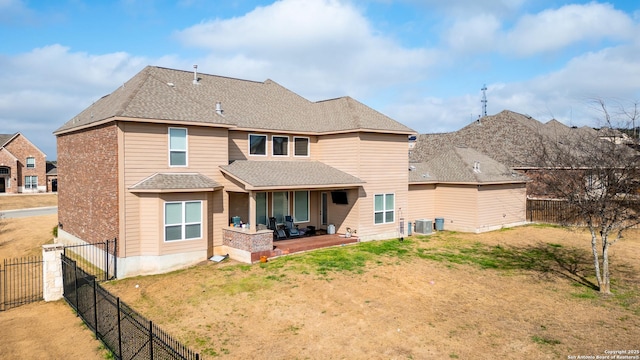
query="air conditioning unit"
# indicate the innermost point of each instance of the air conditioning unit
(424, 226)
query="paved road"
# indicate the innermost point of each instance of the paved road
(8, 214)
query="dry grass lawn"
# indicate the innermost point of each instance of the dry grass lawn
(39, 330)
(525, 293)
(24, 201)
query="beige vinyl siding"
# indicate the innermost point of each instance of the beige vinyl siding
(373, 158)
(458, 205)
(500, 205)
(146, 148)
(342, 151)
(152, 224)
(239, 147)
(422, 200)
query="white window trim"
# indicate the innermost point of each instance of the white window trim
(384, 209)
(308, 146)
(27, 163)
(183, 224)
(308, 207)
(266, 144)
(186, 144)
(31, 185)
(273, 144)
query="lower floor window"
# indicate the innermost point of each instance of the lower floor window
(384, 208)
(30, 182)
(182, 220)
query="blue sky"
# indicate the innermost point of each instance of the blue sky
(422, 63)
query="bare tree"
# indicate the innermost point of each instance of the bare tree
(599, 178)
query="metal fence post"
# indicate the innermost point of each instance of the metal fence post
(75, 284)
(95, 308)
(119, 330)
(150, 339)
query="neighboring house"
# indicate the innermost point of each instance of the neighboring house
(52, 177)
(22, 165)
(470, 191)
(513, 139)
(168, 160)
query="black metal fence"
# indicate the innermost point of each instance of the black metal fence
(97, 259)
(127, 334)
(20, 282)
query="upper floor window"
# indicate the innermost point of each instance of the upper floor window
(257, 144)
(280, 145)
(177, 147)
(384, 205)
(301, 146)
(30, 182)
(31, 162)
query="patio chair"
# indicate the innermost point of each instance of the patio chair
(279, 234)
(292, 230)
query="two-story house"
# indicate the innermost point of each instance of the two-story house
(170, 159)
(22, 165)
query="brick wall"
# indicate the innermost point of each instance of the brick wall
(88, 183)
(22, 148)
(11, 180)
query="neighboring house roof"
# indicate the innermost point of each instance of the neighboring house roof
(508, 137)
(52, 169)
(168, 95)
(175, 182)
(5, 138)
(256, 175)
(462, 166)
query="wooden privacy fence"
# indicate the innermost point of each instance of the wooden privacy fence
(20, 282)
(558, 211)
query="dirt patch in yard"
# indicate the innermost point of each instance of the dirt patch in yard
(524, 293)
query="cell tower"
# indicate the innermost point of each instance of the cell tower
(484, 100)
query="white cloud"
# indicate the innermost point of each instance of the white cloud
(475, 34)
(555, 29)
(321, 48)
(43, 88)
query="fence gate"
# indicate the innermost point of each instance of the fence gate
(20, 282)
(96, 259)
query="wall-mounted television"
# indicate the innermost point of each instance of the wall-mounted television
(339, 197)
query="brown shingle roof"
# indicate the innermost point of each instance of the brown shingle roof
(508, 137)
(462, 165)
(288, 174)
(170, 95)
(4, 138)
(175, 182)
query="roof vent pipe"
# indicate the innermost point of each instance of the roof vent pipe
(195, 74)
(219, 108)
